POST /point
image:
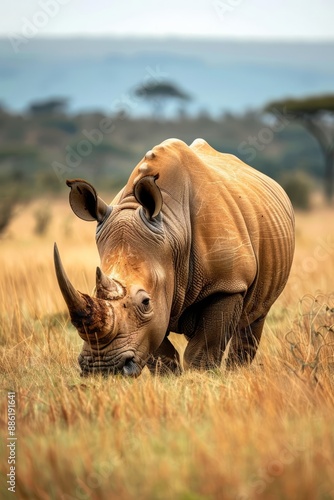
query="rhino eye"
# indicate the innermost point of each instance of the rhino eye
(146, 305)
(143, 302)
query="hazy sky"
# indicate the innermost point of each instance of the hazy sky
(275, 19)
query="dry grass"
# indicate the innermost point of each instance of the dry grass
(262, 432)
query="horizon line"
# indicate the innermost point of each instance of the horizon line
(172, 37)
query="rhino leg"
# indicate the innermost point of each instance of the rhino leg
(214, 324)
(166, 360)
(244, 344)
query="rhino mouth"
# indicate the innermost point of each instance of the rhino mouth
(106, 365)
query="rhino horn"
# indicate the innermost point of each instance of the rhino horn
(107, 288)
(75, 300)
(93, 317)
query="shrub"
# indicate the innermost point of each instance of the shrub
(7, 212)
(299, 187)
(43, 217)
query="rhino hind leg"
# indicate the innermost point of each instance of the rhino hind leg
(244, 345)
(214, 325)
(166, 360)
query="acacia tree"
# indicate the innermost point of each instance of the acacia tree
(316, 114)
(49, 106)
(158, 93)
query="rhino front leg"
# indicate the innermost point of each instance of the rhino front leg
(213, 326)
(166, 360)
(244, 344)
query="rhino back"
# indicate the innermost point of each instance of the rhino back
(246, 226)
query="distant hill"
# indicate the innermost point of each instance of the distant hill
(221, 76)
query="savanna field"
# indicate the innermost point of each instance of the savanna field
(261, 432)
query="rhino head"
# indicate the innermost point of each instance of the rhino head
(126, 319)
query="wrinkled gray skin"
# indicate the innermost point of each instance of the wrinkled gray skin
(197, 243)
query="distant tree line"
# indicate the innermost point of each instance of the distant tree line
(47, 133)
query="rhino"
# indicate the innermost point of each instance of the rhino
(197, 243)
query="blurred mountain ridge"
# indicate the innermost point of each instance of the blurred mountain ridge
(221, 75)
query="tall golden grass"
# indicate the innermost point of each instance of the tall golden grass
(263, 432)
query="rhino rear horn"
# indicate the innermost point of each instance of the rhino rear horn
(85, 202)
(107, 288)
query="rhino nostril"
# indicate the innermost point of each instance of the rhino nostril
(130, 368)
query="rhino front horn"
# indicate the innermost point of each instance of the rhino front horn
(75, 300)
(93, 317)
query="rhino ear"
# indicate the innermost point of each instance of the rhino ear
(85, 203)
(148, 194)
